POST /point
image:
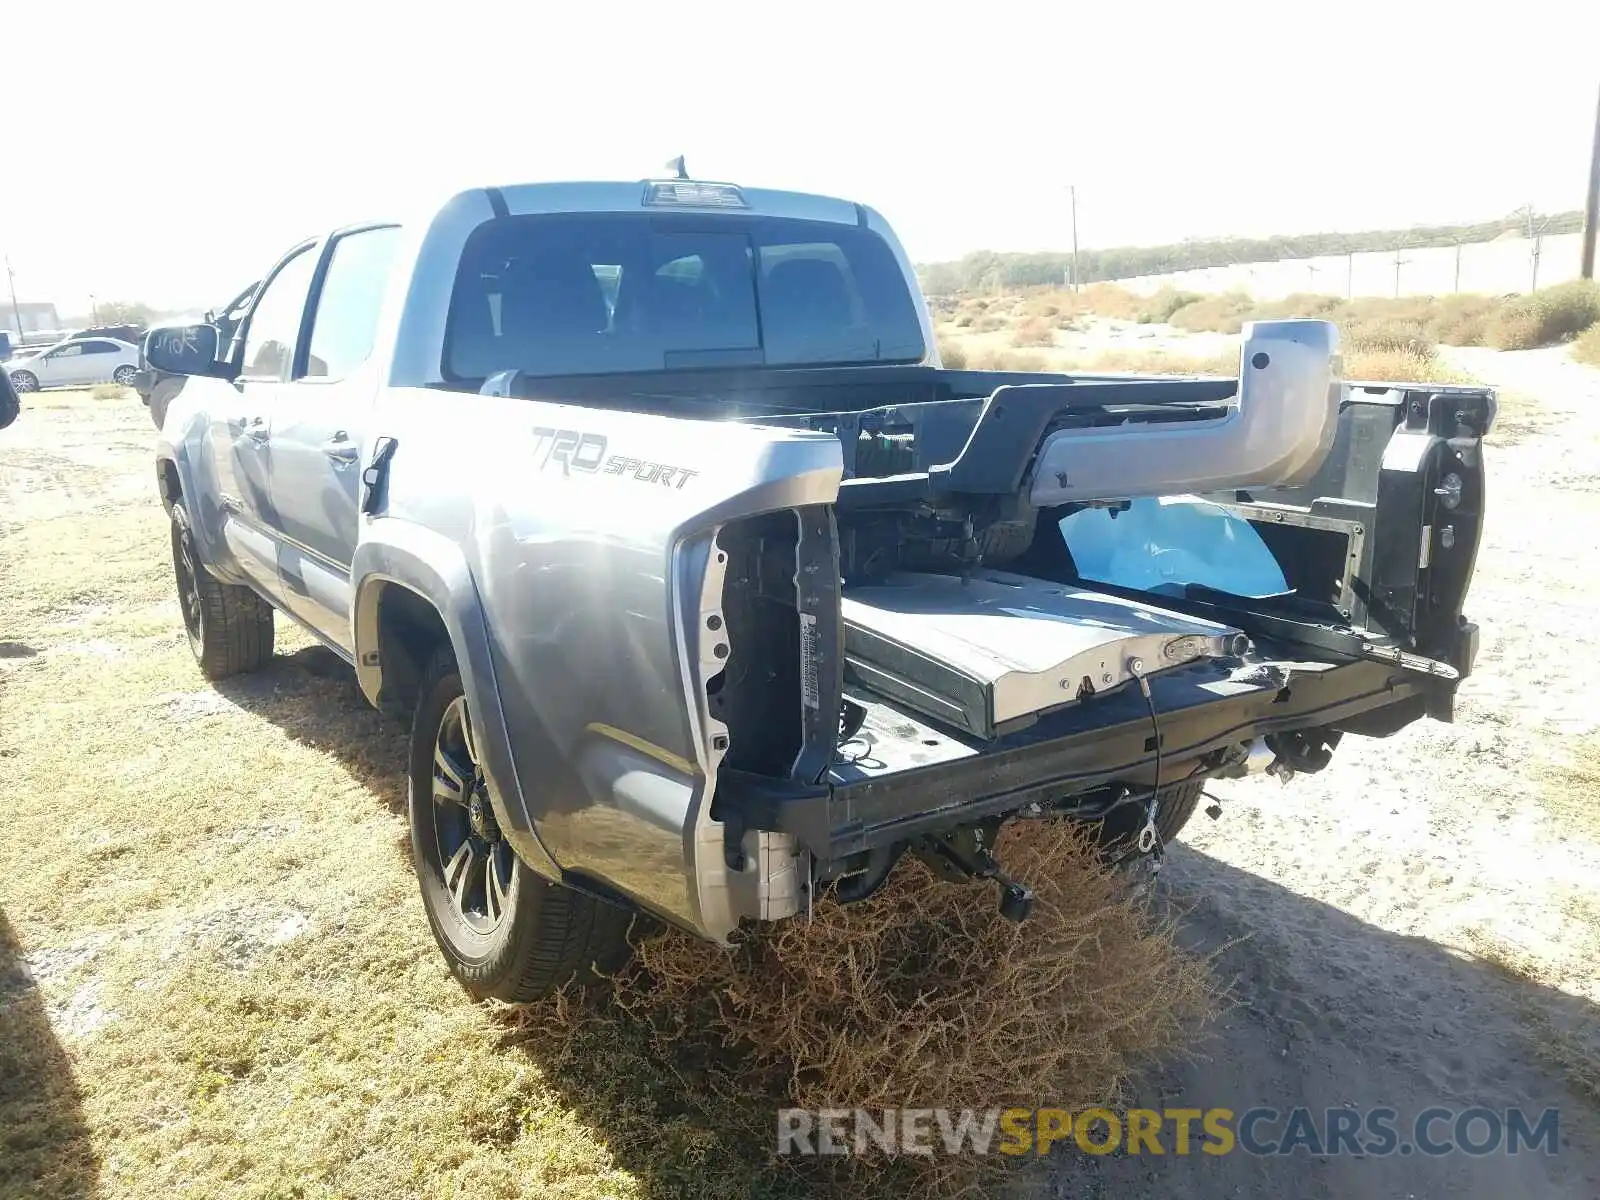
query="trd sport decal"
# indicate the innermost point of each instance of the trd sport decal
(573, 450)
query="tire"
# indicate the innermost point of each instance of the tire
(505, 931)
(1177, 806)
(1178, 802)
(160, 397)
(123, 375)
(229, 627)
(24, 381)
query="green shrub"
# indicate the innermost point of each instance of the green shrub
(1545, 317)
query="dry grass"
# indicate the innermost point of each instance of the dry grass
(1545, 317)
(108, 391)
(1587, 347)
(1036, 331)
(1412, 323)
(921, 997)
(1395, 364)
(952, 355)
(1159, 308)
(985, 359)
(1569, 1047)
(1226, 313)
(1401, 366)
(233, 990)
(1568, 787)
(1156, 362)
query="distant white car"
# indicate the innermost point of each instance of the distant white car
(75, 363)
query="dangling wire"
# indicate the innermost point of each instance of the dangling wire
(1150, 835)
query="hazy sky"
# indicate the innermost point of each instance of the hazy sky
(169, 151)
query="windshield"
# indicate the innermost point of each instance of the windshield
(588, 294)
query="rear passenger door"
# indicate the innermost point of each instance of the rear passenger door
(241, 417)
(322, 430)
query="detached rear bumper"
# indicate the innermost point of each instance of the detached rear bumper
(904, 786)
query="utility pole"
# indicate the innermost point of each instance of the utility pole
(16, 309)
(1536, 242)
(1073, 189)
(1398, 263)
(1591, 208)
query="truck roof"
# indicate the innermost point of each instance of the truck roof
(678, 195)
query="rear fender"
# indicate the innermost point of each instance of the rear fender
(432, 566)
(595, 552)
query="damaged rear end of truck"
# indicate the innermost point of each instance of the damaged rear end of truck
(706, 591)
(899, 625)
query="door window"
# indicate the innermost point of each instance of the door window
(72, 351)
(274, 327)
(345, 323)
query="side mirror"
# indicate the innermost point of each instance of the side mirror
(186, 350)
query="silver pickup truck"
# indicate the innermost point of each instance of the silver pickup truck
(706, 591)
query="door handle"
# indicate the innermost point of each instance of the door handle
(341, 449)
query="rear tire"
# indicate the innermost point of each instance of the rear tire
(160, 397)
(505, 931)
(123, 375)
(229, 626)
(1177, 806)
(1117, 833)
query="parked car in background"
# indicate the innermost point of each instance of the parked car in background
(8, 344)
(131, 332)
(75, 363)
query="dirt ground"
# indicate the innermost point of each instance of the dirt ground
(1417, 926)
(1420, 926)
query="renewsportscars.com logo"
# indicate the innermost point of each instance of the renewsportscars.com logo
(1372, 1132)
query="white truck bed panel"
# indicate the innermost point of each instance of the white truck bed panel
(999, 648)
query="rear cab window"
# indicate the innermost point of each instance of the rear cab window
(576, 294)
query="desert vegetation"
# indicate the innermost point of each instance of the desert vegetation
(989, 270)
(1382, 338)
